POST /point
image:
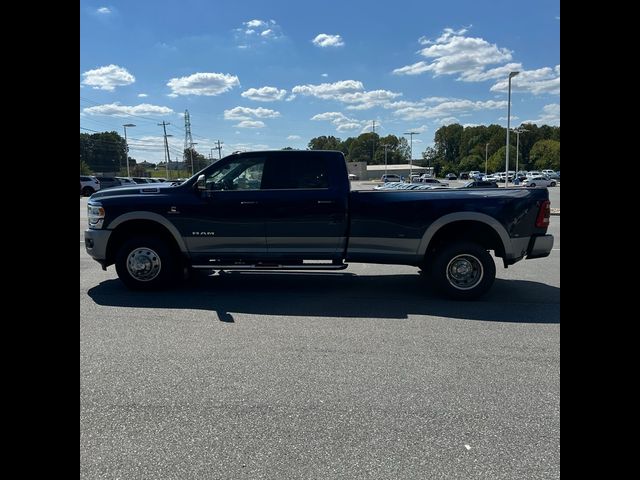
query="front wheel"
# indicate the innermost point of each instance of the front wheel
(145, 263)
(463, 271)
(87, 191)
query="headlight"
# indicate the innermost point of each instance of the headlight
(95, 214)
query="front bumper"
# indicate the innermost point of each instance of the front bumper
(95, 242)
(540, 246)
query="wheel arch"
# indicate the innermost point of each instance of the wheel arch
(130, 224)
(470, 226)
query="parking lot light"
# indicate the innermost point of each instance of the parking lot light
(511, 75)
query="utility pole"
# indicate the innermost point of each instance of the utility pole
(486, 156)
(191, 155)
(518, 132)
(126, 149)
(411, 159)
(166, 146)
(373, 142)
(219, 148)
(385, 157)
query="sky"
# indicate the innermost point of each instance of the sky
(261, 75)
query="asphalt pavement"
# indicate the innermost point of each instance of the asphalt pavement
(363, 373)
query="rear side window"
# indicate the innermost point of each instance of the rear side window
(85, 179)
(296, 172)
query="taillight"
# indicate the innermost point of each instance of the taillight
(544, 214)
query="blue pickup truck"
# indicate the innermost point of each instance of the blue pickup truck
(294, 210)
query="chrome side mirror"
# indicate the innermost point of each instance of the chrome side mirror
(200, 183)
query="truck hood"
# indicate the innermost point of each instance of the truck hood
(148, 189)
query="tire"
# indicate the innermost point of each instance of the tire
(463, 271)
(532, 184)
(552, 184)
(145, 263)
(87, 191)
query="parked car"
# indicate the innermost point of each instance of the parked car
(451, 176)
(480, 184)
(89, 185)
(434, 182)
(126, 181)
(464, 176)
(141, 180)
(353, 176)
(390, 177)
(108, 182)
(538, 181)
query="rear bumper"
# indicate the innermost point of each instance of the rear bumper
(540, 246)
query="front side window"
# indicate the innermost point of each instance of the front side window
(240, 174)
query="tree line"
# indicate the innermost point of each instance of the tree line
(106, 152)
(456, 149)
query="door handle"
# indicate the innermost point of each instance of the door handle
(248, 203)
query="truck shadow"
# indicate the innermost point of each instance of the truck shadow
(342, 295)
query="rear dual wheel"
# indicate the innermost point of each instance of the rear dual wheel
(462, 271)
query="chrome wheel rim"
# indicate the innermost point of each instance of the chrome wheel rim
(464, 272)
(144, 264)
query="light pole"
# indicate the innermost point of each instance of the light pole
(385, 158)
(511, 75)
(411, 159)
(486, 157)
(518, 132)
(191, 155)
(126, 146)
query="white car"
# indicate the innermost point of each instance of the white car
(434, 182)
(88, 185)
(538, 181)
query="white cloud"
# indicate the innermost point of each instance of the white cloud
(413, 69)
(480, 75)
(108, 77)
(341, 121)
(454, 53)
(447, 121)
(329, 91)
(294, 137)
(550, 115)
(208, 84)
(540, 81)
(257, 31)
(324, 75)
(142, 95)
(325, 40)
(104, 10)
(250, 124)
(447, 109)
(117, 110)
(264, 94)
(347, 91)
(245, 113)
(254, 23)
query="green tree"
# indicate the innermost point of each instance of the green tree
(545, 154)
(471, 162)
(84, 168)
(199, 160)
(397, 150)
(325, 143)
(448, 139)
(498, 161)
(102, 152)
(361, 148)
